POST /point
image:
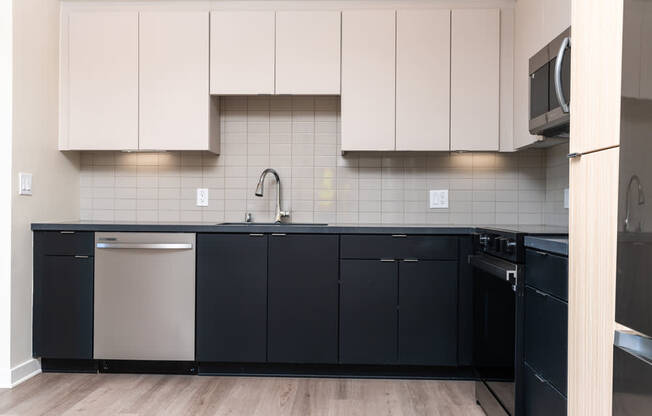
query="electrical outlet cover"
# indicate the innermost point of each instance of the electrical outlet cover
(566, 198)
(439, 198)
(25, 183)
(202, 197)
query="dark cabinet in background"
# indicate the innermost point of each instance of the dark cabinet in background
(368, 311)
(231, 319)
(302, 298)
(545, 336)
(63, 295)
(427, 330)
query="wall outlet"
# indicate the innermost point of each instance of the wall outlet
(566, 199)
(24, 183)
(439, 198)
(202, 197)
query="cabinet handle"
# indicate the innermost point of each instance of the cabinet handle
(279, 234)
(541, 253)
(411, 260)
(541, 379)
(399, 235)
(256, 235)
(387, 260)
(574, 155)
(81, 257)
(545, 295)
(66, 232)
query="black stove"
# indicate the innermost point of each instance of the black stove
(508, 243)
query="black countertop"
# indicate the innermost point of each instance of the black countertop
(427, 229)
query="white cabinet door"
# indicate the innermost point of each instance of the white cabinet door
(475, 79)
(100, 87)
(368, 80)
(174, 97)
(556, 17)
(242, 52)
(308, 52)
(423, 80)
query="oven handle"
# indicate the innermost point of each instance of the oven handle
(500, 268)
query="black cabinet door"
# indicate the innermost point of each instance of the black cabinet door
(303, 298)
(63, 307)
(540, 398)
(231, 298)
(427, 329)
(368, 315)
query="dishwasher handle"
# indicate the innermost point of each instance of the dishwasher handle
(146, 246)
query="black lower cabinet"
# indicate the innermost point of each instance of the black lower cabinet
(427, 329)
(368, 312)
(541, 398)
(231, 306)
(63, 307)
(303, 299)
(546, 336)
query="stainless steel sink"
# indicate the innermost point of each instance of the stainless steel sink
(305, 224)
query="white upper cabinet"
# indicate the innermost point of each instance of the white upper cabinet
(308, 52)
(368, 80)
(100, 82)
(475, 79)
(174, 99)
(423, 80)
(242, 52)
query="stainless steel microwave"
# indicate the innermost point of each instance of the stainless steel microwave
(550, 72)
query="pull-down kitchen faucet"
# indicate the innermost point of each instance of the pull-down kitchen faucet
(259, 192)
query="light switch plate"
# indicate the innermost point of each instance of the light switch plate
(439, 198)
(202, 197)
(25, 183)
(566, 199)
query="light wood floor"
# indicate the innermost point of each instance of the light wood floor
(122, 394)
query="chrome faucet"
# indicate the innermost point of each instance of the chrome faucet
(259, 192)
(641, 201)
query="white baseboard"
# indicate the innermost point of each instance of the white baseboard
(12, 377)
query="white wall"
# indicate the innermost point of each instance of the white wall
(34, 150)
(5, 189)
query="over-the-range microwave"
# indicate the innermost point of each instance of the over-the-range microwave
(550, 73)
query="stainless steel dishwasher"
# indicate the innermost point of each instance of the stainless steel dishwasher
(144, 296)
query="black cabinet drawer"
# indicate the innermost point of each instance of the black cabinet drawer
(64, 243)
(541, 399)
(546, 337)
(398, 246)
(547, 272)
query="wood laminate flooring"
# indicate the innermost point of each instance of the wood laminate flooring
(129, 394)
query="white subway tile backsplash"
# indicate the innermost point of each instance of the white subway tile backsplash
(299, 137)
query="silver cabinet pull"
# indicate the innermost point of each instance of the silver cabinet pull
(81, 257)
(387, 260)
(574, 155)
(399, 235)
(411, 260)
(541, 379)
(146, 246)
(558, 64)
(279, 234)
(538, 292)
(66, 232)
(256, 235)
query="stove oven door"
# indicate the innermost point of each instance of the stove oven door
(498, 298)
